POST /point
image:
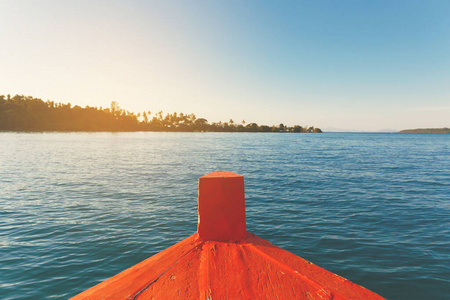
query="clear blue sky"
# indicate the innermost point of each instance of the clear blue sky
(366, 65)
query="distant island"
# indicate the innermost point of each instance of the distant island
(25, 113)
(427, 130)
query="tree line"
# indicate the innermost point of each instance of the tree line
(427, 130)
(25, 113)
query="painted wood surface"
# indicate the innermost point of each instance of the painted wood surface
(224, 261)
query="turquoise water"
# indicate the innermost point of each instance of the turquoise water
(77, 208)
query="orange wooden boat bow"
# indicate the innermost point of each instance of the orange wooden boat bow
(224, 261)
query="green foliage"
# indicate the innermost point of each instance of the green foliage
(427, 130)
(24, 113)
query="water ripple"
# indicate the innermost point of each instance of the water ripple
(77, 208)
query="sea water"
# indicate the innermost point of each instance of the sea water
(78, 208)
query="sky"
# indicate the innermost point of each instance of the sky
(354, 65)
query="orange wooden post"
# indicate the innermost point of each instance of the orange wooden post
(221, 207)
(223, 261)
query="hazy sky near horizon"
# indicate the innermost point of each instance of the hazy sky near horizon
(365, 65)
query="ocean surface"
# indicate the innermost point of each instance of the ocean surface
(77, 208)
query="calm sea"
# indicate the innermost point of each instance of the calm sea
(77, 208)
